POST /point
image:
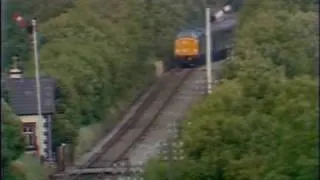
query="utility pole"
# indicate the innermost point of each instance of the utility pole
(36, 62)
(209, 52)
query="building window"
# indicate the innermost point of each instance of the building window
(29, 132)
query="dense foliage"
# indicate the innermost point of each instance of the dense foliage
(12, 140)
(98, 51)
(260, 123)
(15, 38)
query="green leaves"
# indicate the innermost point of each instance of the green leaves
(260, 123)
(13, 142)
(281, 37)
(17, 41)
(256, 142)
(99, 51)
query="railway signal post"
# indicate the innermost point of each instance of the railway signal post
(37, 76)
(208, 50)
(32, 32)
(209, 20)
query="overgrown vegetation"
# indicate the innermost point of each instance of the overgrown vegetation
(260, 123)
(100, 52)
(12, 141)
(16, 164)
(31, 168)
(16, 39)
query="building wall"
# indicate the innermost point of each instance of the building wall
(41, 132)
(49, 136)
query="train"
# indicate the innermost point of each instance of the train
(190, 44)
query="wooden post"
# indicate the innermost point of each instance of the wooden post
(61, 157)
(71, 157)
(42, 159)
(68, 155)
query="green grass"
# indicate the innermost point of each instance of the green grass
(31, 167)
(88, 137)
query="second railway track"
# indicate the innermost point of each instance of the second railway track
(122, 141)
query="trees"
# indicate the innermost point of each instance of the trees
(13, 144)
(287, 38)
(249, 137)
(99, 51)
(15, 38)
(260, 123)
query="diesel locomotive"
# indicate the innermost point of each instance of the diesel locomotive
(190, 44)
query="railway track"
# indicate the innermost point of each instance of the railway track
(191, 91)
(118, 146)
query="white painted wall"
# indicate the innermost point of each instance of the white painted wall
(159, 68)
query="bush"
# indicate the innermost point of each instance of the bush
(12, 138)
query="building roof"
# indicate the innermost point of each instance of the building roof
(23, 97)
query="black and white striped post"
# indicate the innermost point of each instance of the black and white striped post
(209, 20)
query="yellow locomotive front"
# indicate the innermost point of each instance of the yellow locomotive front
(186, 48)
